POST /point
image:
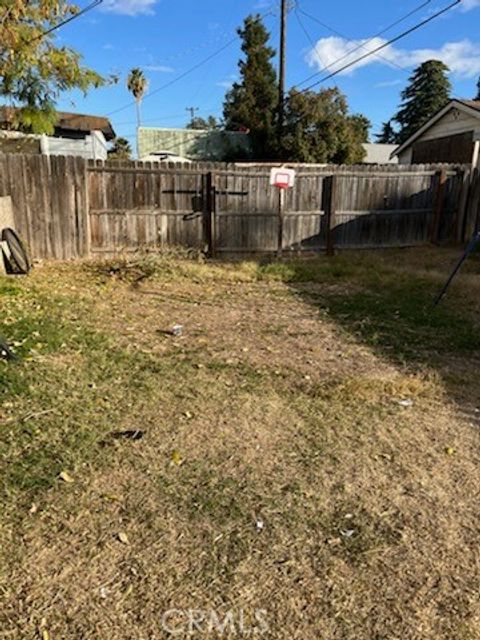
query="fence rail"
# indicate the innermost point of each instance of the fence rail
(68, 207)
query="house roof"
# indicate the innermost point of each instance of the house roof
(68, 122)
(475, 104)
(472, 107)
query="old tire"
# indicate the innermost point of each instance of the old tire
(17, 262)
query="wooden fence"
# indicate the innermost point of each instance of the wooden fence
(50, 202)
(67, 207)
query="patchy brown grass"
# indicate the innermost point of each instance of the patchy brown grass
(310, 449)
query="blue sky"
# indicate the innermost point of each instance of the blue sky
(166, 38)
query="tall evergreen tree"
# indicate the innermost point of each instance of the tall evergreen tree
(319, 128)
(477, 97)
(251, 104)
(388, 134)
(427, 92)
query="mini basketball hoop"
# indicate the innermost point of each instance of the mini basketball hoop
(282, 178)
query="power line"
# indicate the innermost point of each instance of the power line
(178, 78)
(212, 110)
(379, 48)
(362, 45)
(185, 73)
(377, 35)
(177, 116)
(74, 16)
(307, 34)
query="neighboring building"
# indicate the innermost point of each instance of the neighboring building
(377, 153)
(194, 144)
(75, 135)
(452, 135)
(221, 146)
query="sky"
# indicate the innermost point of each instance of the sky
(168, 38)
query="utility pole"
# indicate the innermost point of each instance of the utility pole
(283, 64)
(192, 111)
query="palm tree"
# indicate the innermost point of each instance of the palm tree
(137, 85)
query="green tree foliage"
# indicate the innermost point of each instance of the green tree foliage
(428, 91)
(319, 128)
(121, 150)
(387, 135)
(209, 123)
(137, 84)
(33, 70)
(251, 104)
(477, 97)
(361, 125)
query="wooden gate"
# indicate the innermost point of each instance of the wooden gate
(224, 209)
(247, 212)
(344, 207)
(133, 205)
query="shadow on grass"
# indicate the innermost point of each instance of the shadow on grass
(386, 302)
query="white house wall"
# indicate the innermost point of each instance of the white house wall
(93, 146)
(377, 153)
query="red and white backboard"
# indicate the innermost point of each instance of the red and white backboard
(282, 178)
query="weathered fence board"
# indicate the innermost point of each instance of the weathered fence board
(68, 207)
(136, 204)
(50, 203)
(374, 207)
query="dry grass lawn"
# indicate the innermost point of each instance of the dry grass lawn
(310, 450)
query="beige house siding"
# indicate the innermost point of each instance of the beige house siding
(452, 123)
(448, 134)
(376, 153)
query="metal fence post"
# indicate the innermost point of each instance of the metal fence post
(210, 213)
(330, 207)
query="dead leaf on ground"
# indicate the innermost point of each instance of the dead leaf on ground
(122, 536)
(66, 477)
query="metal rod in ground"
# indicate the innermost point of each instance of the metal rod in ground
(471, 247)
(281, 220)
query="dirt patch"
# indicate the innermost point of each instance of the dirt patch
(289, 467)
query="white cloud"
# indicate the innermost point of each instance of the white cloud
(388, 83)
(462, 57)
(470, 4)
(228, 82)
(159, 68)
(129, 7)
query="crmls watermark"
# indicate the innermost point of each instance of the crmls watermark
(191, 622)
